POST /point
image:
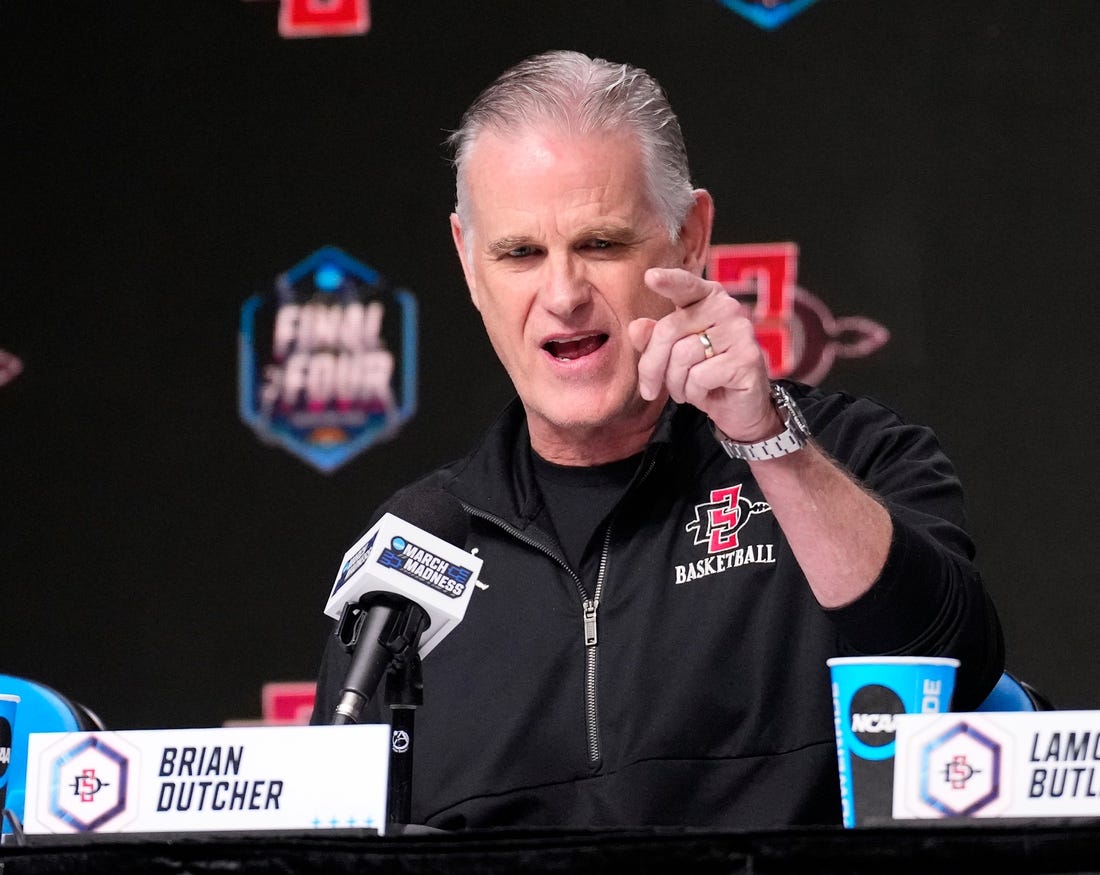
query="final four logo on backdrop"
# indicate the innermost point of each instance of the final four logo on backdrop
(768, 14)
(328, 359)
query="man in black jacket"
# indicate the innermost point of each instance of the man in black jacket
(673, 543)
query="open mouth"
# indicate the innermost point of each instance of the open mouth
(570, 350)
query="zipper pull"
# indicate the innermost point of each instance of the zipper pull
(590, 606)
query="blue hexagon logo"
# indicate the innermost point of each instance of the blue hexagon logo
(960, 771)
(88, 785)
(328, 359)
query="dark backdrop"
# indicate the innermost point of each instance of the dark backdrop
(163, 161)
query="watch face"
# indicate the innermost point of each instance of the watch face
(799, 421)
(794, 419)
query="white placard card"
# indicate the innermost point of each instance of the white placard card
(208, 780)
(1015, 764)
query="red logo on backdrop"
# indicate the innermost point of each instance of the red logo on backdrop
(323, 17)
(288, 702)
(799, 335)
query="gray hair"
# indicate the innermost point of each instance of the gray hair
(582, 95)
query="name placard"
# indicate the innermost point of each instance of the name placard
(997, 764)
(208, 780)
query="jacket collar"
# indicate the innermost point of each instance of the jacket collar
(505, 449)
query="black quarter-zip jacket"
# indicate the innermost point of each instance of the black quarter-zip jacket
(691, 688)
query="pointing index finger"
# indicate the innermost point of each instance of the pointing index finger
(681, 287)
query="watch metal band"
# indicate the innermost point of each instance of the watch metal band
(792, 439)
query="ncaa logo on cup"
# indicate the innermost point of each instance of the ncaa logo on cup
(8, 705)
(873, 710)
(5, 745)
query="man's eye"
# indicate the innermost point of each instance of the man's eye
(521, 251)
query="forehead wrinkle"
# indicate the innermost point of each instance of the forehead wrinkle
(605, 206)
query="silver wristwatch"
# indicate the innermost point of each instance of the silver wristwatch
(792, 439)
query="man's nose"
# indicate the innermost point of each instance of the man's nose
(565, 286)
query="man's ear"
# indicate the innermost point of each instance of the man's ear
(463, 257)
(696, 230)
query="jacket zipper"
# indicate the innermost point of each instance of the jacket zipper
(588, 615)
(592, 655)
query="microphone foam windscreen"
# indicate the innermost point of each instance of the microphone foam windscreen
(434, 511)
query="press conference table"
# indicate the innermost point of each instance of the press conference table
(1047, 846)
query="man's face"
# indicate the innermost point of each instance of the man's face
(561, 235)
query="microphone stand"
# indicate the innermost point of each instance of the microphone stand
(404, 694)
(382, 632)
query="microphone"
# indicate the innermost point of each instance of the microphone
(402, 587)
